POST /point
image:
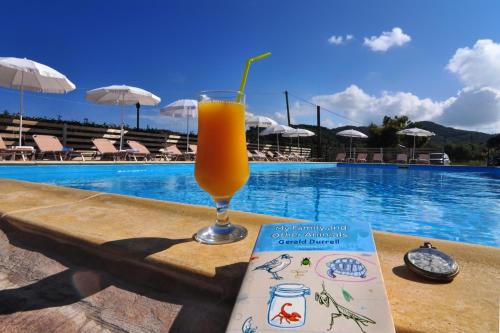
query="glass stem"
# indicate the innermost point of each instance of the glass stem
(222, 214)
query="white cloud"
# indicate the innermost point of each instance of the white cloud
(328, 123)
(356, 104)
(470, 109)
(281, 117)
(473, 108)
(478, 66)
(337, 40)
(387, 40)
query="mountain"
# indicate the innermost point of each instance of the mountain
(444, 134)
(450, 135)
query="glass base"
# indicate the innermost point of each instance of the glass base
(216, 234)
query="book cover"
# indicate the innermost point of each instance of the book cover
(313, 277)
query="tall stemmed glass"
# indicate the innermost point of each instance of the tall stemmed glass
(221, 166)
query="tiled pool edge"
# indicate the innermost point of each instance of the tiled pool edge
(411, 300)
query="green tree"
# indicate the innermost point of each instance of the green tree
(386, 135)
(494, 142)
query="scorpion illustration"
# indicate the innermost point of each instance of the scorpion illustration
(294, 316)
(324, 298)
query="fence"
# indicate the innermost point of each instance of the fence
(79, 137)
(388, 154)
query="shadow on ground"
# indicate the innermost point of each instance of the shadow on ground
(88, 274)
(404, 273)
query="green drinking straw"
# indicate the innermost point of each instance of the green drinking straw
(245, 73)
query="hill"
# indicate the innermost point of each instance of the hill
(444, 134)
(450, 135)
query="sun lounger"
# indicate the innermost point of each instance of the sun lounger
(293, 156)
(191, 154)
(300, 157)
(250, 156)
(139, 150)
(50, 145)
(424, 159)
(12, 152)
(283, 156)
(271, 156)
(361, 158)
(261, 156)
(106, 149)
(402, 158)
(171, 153)
(340, 157)
(377, 158)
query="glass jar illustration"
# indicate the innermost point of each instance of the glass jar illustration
(287, 305)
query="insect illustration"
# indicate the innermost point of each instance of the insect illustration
(288, 317)
(276, 265)
(347, 296)
(324, 298)
(247, 326)
(346, 266)
(306, 262)
(298, 274)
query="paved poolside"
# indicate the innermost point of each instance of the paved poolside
(139, 252)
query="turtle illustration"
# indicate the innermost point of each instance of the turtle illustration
(305, 262)
(346, 266)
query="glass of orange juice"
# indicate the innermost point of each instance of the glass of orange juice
(221, 166)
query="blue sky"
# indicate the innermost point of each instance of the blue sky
(177, 48)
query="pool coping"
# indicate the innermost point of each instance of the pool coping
(73, 218)
(455, 168)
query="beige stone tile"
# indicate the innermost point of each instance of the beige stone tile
(152, 232)
(18, 195)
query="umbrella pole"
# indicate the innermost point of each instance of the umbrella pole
(278, 140)
(350, 148)
(413, 155)
(121, 127)
(121, 131)
(21, 111)
(258, 139)
(187, 131)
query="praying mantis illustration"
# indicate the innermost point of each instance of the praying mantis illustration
(324, 298)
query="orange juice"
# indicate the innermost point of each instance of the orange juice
(221, 161)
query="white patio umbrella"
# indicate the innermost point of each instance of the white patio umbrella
(182, 108)
(259, 121)
(352, 134)
(25, 74)
(415, 132)
(276, 129)
(122, 95)
(298, 133)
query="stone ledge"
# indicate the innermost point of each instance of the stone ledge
(156, 235)
(149, 233)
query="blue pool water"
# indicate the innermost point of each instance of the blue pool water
(460, 205)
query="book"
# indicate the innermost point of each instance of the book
(313, 277)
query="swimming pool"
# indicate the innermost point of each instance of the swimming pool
(455, 204)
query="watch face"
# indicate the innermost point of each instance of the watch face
(430, 263)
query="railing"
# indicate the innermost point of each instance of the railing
(79, 137)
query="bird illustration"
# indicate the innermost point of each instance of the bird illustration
(276, 265)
